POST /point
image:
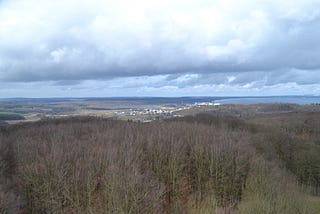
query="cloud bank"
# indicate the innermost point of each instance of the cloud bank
(193, 47)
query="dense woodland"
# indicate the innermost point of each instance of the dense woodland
(194, 164)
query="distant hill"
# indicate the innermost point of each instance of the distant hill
(11, 117)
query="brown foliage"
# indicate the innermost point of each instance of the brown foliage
(94, 165)
(193, 164)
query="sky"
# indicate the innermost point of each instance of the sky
(104, 48)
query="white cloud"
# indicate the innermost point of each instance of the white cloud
(58, 54)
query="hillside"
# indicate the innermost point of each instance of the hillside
(194, 164)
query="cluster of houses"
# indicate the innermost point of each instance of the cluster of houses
(162, 112)
(132, 112)
(206, 104)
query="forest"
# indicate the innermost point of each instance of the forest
(193, 164)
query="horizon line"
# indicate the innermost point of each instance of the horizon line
(137, 97)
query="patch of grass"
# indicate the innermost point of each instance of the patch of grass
(314, 203)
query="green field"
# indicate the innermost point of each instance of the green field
(3, 112)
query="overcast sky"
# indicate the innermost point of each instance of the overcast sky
(75, 48)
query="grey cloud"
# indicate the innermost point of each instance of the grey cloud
(67, 82)
(301, 77)
(101, 44)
